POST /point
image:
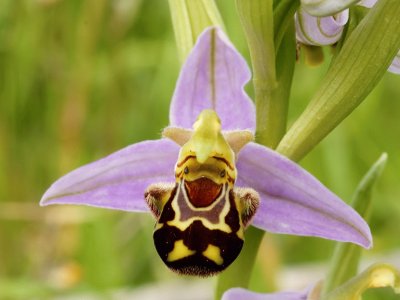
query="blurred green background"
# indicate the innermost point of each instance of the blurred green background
(80, 79)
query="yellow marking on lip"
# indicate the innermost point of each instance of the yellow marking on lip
(240, 233)
(183, 225)
(213, 253)
(180, 251)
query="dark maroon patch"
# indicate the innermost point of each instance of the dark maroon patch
(197, 237)
(202, 192)
(232, 218)
(168, 213)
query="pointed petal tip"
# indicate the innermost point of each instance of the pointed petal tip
(294, 202)
(117, 181)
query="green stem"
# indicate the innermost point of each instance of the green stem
(238, 274)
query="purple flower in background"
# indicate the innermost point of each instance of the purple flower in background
(325, 31)
(240, 293)
(292, 201)
(320, 31)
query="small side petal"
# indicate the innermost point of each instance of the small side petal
(319, 31)
(213, 77)
(119, 180)
(295, 202)
(395, 66)
(240, 293)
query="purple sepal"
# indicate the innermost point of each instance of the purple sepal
(119, 180)
(295, 202)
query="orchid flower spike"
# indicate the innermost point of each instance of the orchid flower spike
(205, 181)
(327, 30)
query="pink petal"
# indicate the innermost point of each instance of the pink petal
(213, 76)
(295, 202)
(119, 180)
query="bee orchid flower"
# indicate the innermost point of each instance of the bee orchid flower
(206, 180)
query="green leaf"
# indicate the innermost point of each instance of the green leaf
(356, 70)
(189, 19)
(344, 263)
(357, 13)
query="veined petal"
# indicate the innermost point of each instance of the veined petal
(395, 66)
(213, 77)
(319, 31)
(295, 202)
(240, 293)
(119, 180)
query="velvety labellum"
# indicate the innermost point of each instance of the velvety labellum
(201, 217)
